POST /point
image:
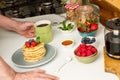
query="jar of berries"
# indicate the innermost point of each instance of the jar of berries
(70, 11)
(86, 21)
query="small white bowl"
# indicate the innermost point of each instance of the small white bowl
(90, 38)
(67, 43)
(66, 31)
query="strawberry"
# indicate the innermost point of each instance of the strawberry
(33, 43)
(88, 30)
(93, 26)
(27, 44)
(87, 24)
(80, 29)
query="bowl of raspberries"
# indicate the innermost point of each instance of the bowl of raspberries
(86, 53)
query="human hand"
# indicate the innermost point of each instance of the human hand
(35, 75)
(26, 29)
(7, 73)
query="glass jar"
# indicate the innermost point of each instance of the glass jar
(76, 1)
(86, 20)
(70, 11)
(47, 8)
(96, 10)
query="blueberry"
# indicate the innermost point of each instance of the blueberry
(93, 40)
(82, 41)
(90, 42)
(84, 38)
(30, 40)
(87, 40)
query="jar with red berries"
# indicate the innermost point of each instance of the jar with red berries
(86, 21)
(70, 11)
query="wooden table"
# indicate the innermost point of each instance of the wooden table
(111, 65)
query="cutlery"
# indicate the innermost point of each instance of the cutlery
(67, 60)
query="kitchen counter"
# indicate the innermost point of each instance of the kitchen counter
(74, 70)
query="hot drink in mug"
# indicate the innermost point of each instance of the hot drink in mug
(43, 29)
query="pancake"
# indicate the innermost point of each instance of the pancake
(34, 53)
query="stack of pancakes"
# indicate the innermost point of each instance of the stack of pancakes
(33, 54)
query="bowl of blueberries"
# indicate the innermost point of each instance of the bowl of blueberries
(89, 40)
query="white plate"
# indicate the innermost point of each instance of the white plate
(18, 58)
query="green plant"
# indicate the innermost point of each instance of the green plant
(65, 26)
(37, 39)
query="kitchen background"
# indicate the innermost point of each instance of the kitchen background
(29, 8)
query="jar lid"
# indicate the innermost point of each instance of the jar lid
(113, 24)
(71, 6)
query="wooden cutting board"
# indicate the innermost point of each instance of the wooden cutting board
(111, 65)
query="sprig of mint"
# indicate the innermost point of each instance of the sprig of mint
(92, 20)
(38, 39)
(65, 26)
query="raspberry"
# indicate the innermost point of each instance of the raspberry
(83, 49)
(94, 50)
(33, 43)
(89, 47)
(83, 45)
(78, 49)
(83, 54)
(78, 54)
(27, 44)
(89, 52)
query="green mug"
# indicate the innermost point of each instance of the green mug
(43, 29)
